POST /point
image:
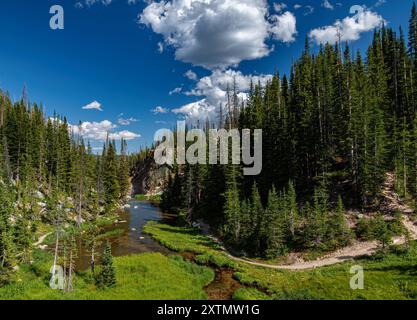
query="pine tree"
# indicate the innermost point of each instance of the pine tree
(315, 228)
(22, 238)
(92, 239)
(292, 210)
(110, 176)
(124, 181)
(275, 237)
(232, 211)
(71, 246)
(381, 232)
(412, 50)
(338, 233)
(42, 161)
(7, 245)
(107, 276)
(257, 211)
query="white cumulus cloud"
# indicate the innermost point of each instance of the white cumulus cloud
(95, 105)
(213, 93)
(215, 33)
(197, 111)
(349, 29)
(284, 27)
(99, 131)
(159, 110)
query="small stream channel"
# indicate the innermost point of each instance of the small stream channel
(130, 239)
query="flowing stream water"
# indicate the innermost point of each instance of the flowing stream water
(130, 239)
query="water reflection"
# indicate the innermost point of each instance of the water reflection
(131, 239)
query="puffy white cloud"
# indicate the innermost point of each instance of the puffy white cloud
(125, 135)
(159, 110)
(284, 27)
(213, 91)
(95, 105)
(215, 33)
(214, 87)
(350, 28)
(197, 111)
(99, 131)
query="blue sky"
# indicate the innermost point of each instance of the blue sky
(129, 58)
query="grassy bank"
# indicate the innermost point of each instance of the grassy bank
(154, 276)
(389, 277)
(182, 239)
(139, 277)
(151, 198)
(102, 221)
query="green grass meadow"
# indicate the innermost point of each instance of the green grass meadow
(149, 276)
(153, 276)
(392, 276)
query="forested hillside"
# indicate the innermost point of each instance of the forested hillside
(50, 177)
(332, 130)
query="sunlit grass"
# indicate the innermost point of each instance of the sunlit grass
(182, 239)
(150, 276)
(154, 276)
(393, 276)
(249, 294)
(152, 198)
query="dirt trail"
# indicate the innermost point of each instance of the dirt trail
(41, 240)
(392, 204)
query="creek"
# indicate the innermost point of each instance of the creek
(129, 239)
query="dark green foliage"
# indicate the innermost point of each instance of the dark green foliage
(335, 126)
(380, 229)
(106, 278)
(381, 232)
(173, 198)
(315, 226)
(7, 246)
(48, 175)
(338, 232)
(110, 176)
(274, 236)
(233, 212)
(123, 171)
